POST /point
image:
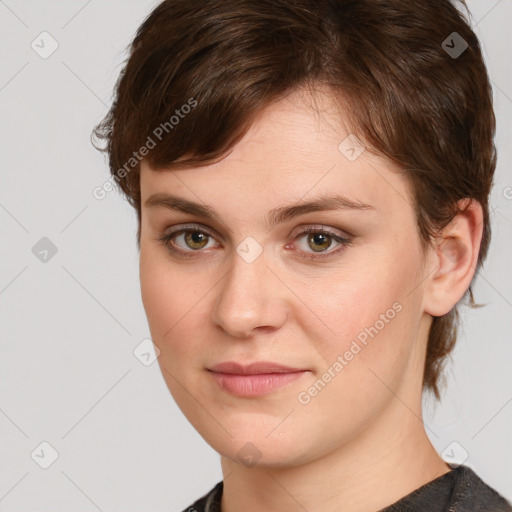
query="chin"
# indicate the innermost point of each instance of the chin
(259, 451)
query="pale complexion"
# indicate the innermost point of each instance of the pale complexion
(359, 444)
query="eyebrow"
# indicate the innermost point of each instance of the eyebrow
(275, 216)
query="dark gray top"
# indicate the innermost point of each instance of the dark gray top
(459, 490)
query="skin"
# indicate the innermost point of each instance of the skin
(360, 443)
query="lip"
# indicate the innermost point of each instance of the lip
(254, 379)
(255, 368)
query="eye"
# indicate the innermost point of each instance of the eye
(186, 240)
(319, 239)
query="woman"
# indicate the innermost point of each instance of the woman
(311, 180)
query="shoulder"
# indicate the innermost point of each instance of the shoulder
(210, 502)
(471, 493)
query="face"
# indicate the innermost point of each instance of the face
(333, 290)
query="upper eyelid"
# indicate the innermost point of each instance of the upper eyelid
(180, 230)
(297, 231)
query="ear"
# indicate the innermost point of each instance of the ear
(454, 258)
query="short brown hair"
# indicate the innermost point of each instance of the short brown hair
(412, 89)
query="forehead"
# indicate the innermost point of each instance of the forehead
(296, 149)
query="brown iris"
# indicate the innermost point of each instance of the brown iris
(196, 237)
(319, 239)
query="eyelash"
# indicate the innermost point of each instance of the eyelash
(167, 239)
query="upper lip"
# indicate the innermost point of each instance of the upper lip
(253, 368)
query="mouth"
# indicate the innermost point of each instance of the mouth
(259, 378)
(257, 368)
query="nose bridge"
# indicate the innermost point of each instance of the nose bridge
(247, 296)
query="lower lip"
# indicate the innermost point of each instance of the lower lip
(254, 385)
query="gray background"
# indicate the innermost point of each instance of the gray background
(69, 325)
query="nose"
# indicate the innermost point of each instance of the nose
(250, 297)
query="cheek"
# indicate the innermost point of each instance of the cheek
(368, 317)
(158, 296)
(367, 355)
(170, 298)
(351, 303)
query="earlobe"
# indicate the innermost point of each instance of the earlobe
(455, 257)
